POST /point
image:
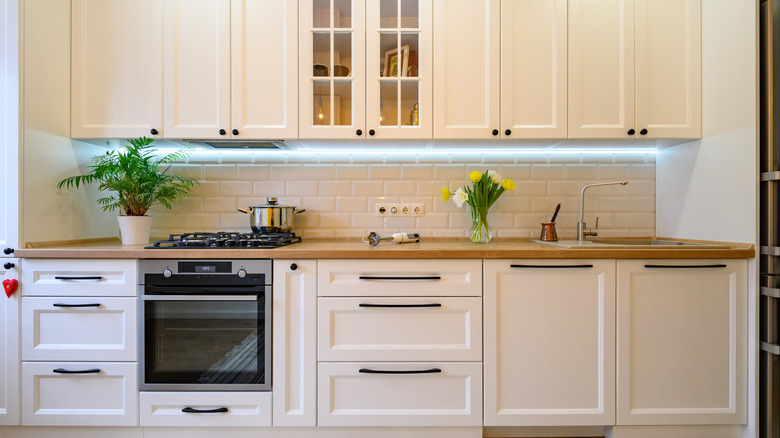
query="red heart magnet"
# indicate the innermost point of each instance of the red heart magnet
(10, 286)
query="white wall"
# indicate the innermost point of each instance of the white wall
(49, 154)
(707, 189)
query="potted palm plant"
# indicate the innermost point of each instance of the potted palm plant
(138, 182)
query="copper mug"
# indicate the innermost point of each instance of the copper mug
(548, 232)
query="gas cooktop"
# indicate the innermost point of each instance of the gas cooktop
(224, 239)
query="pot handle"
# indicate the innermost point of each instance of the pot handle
(242, 210)
(300, 211)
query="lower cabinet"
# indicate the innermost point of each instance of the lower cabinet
(681, 342)
(219, 409)
(9, 348)
(400, 394)
(549, 342)
(79, 394)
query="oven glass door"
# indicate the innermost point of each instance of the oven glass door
(206, 342)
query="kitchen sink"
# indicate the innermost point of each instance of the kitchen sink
(629, 243)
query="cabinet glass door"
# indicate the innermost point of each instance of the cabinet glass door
(399, 46)
(332, 69)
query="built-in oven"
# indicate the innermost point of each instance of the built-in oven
(205, 325)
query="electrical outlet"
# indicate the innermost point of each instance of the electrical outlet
(393, 209)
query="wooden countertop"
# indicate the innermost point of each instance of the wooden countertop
(355, 249)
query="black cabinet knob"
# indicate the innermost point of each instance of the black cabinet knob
(154, 131)
(8, 265)
(643, 132)
(631, 131)
(508, 132)
(371, 132)
(293, 267)
(7, 251)
(495, 132)
(235, 132)
(359, 132)
(222, 132)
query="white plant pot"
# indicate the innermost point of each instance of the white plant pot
(135, 230)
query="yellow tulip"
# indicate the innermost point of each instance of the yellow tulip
(445, 194)
(508, 184)
(475, 176)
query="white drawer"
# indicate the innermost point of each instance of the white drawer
(170, 409)
(400, 328)
(105, 398)
(74, 329)
(80, 278)
(349, 278)
(349, 397)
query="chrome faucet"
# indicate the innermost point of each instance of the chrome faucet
(582, 230)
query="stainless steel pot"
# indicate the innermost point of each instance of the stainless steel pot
(271, 218)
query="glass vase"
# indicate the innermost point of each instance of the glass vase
(480, 230)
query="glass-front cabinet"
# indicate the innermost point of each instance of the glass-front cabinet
(365, 69)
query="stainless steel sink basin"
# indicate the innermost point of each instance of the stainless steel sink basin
(632, 243)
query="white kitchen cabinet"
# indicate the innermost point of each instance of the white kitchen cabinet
(400, 328)
(116, 81)
(400, 394)
(466, 91)
(549, 342)
(399, 278)
(80, 277)
(295, 343)
(9, 349)
(79, 394)
(635, 69)
(222, 79)
(681, 342)
(501, 69)
(366, 69)
(79, 329)
(205, 409)
(10, 206)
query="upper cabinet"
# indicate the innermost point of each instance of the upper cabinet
(635, 69)
(365, 69)
(116, 69)
(501, 69)
(230, 69)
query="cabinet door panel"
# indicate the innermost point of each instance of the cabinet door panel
(682, 342)
(116, 73)
(466, 77)
(9, 351)
(668, 68)
(601, 68)
(264, 68)
(534, 68)
(196, 56)
(550, 337)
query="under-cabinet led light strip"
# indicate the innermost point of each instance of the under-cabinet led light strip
(442, 152)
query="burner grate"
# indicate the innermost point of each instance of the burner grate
(224, 239)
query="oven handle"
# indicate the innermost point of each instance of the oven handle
(200, 298)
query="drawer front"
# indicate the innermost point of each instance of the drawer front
(105, 398)
(80, 278)
(349, 397)
(243, 409)
(395, 329)
(350, 278)
(77, 329)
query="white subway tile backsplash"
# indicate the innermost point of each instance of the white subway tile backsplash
(340, 197)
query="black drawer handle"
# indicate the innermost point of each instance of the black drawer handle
(76, 305)
(683, 266)
(424, 278)
(64, 371)
(190, 410)
(552, 266)
(428, 371)
(69, 278)
(399, 305)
